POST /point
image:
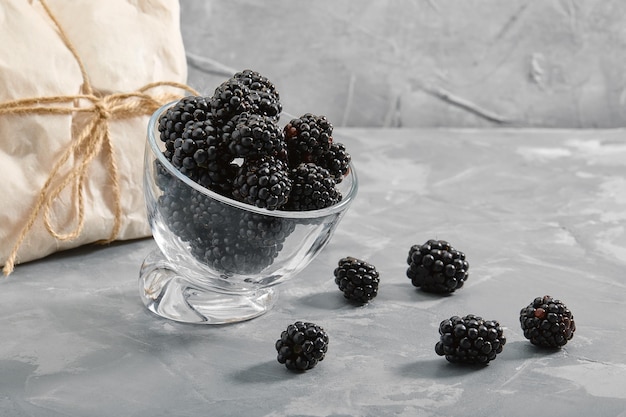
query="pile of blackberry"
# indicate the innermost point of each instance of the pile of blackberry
(437, 267)
(470, 339)
(547, 322)
(210, 139)
(231, 143)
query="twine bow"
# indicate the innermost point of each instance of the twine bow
(93, 139)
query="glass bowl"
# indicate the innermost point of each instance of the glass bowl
(218, 260)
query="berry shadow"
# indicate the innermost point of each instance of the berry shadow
(525, 350)
(329, 300)
(266, 372)
(438, 368)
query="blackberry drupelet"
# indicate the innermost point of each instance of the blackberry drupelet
(173, 122)
(308, 138)
(547, 322)
(437, 267)
(336, 160)
(357, 279)
(302, 346)
(313, 188)
(470, 339)
(253, 136)
(262, 182)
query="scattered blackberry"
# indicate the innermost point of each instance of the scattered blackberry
(263, 183)
(229, 100)
(252, 136)
(308, 138)
(336, 160)
(470, 339)
(312, 188)
(547, 322)
(302, 346)
(357, 279)
(437, 267)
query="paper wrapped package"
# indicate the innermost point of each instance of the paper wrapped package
(73, 116)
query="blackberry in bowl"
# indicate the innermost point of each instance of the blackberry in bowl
(223, 239)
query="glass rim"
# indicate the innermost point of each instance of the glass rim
(308, 214)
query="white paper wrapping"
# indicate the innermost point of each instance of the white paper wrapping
(123, 45)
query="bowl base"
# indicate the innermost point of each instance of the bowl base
(168, 293)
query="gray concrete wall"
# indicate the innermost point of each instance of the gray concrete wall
(422, 63)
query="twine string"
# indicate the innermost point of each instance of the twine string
(93, 139)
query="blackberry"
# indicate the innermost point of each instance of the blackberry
(302, 346)
(357, 279)
(263, 98)
(470, 339)
(256, 82)
(229, 100)
(437, 267)
(252, 136)
(262, 182)
(173, 122)
(199, 144)
(312, 188)
(547, 322)
(219, 175)
(264, 231)
(224, 251)
(336, 160)
(308, 138)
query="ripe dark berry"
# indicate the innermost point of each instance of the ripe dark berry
(172, 123)
(437, 267)
(308, 138)
(263, 98)
(198, 146)
(470, 339)
(302, 346)
(313, 188)
(253, 136)
(336, 160)
(263, 183)
(262, 231)
(256, 82)
(547, 322)
(229, 100)
(357, 279)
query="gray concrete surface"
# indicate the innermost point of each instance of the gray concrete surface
(536, 212)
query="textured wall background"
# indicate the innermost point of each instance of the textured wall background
(549, 63)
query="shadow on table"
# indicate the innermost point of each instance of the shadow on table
(438, 368)
(328, 300)
(266, 372)
(523, 349)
